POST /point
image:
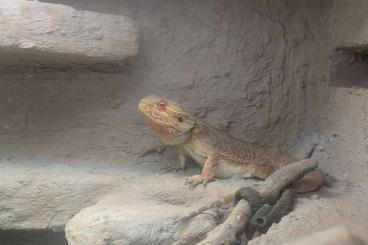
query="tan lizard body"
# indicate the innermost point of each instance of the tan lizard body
(219, 154)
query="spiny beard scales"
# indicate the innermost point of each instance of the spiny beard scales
(162, 130)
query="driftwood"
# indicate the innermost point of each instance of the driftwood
(270, 190)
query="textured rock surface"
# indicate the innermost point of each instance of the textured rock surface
(145, 209)
(129, 200)
(52, 34)
(145, 223)
(336, 111)
(349, 25)
(46, 198)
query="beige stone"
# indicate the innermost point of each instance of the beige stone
(53, 34)
(338, 235)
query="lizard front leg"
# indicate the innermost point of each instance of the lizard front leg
(181, 159)
(208, 173)
(180, 165)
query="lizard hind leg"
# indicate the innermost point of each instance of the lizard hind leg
(260, 171)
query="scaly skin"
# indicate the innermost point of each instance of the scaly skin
(220, 155)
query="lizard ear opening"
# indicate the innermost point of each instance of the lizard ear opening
(184, 125)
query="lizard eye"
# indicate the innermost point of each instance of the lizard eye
(180, 119)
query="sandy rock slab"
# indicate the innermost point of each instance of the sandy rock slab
(142, 223)
(150, 214)
(44, 34)
(94, 204)
(37, 200)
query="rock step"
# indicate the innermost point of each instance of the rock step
(45, 34)
(35, 200)
(98, 202)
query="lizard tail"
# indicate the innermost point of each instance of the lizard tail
(310, 182)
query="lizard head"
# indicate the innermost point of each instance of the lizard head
(167, 119)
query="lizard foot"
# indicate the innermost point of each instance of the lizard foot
(169, 168)
(197, 180)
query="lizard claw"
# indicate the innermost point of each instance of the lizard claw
(196, 180)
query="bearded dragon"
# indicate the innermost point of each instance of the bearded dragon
(219, 154)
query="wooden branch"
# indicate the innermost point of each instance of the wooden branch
(270, 190)
(236, 221)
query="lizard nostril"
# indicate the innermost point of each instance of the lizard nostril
(162, 105)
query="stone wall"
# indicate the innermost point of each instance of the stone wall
(239, 65)
(337, 95)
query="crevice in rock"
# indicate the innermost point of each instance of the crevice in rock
(32, 237)
(349, 67)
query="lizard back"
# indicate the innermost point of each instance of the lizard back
(239, 152)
